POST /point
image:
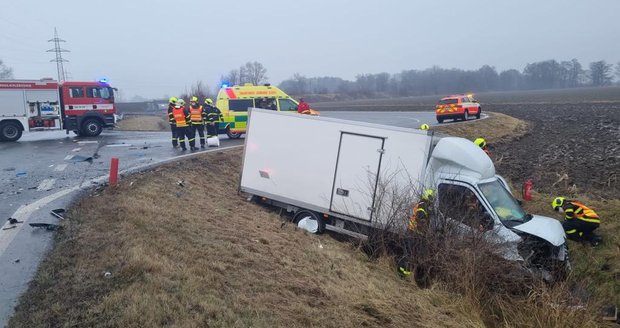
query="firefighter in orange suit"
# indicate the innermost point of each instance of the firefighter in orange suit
(173, 125)
(182, 119)
(198, 117)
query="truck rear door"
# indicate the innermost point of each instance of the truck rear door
(355, 179)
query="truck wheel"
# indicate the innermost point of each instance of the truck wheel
(91, 128)
(440, 119)
(232, 135)
(309, 221)
(10, 131)
(466, 116)
(479, 111)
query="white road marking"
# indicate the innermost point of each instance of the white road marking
(76, 149)
(24, 212)
(69, 157)
(87, 142)
(60, 167)
(119, 145)
(46, 184)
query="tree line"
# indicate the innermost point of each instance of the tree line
(548, 74)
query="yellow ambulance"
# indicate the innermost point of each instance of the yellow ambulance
(234, 103)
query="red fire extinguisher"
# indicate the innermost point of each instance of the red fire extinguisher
(527, 190)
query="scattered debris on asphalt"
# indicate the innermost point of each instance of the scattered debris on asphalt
(21, 174)
(79, 158)
(9, 228)
(59, 213)
(16, 260)
(14, 221)
(47, 226)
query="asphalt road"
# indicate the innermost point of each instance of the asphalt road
(47, 170)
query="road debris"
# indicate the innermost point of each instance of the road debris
(107, 274)
(21, 174)
(47, 226)
(14, 221)
(58, 213)
(9, 228)
(181, 183)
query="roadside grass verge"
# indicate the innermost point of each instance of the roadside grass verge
(200, 255)
(143, 123)
(496, 128)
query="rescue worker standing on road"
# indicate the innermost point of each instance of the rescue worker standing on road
(182, 120)
(303, 107)
(214, 116)
(173, 125)
(579, 220)
(480, 142)
(418, 223)
(198, 117)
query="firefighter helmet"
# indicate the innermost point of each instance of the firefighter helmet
(181, 102)
(424, 127)
(480, 142)
(209, 101)
(194, 99)
(173, 100)
(427, 194)
(557, 203)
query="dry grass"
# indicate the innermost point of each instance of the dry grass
(202, 256)
(143, 123)
(495, 129)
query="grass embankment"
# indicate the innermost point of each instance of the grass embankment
(199, 255)
(202, 256)
(143, 123)
(494, 129)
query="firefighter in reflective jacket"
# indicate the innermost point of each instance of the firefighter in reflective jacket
(198, 116)
(579, 220)
(173, 125)
(418, 223)
(480, 142)
(214, 116)
(182, 120)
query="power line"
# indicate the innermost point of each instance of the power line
(62, 76)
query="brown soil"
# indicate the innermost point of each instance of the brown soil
(570, 149)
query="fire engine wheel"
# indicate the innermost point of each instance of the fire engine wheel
(466, 116)
(309, 221)
(440, 120)
(233, 135)
(91, 128)
(10, 131)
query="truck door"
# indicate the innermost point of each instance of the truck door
(355, 179)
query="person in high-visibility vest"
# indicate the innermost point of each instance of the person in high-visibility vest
(418, 223)
(198, 117)
(173, 126)
(580, 221)
(480, 142)
(214, 116)
(182, 120)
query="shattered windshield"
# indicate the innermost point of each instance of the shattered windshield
(502, 201)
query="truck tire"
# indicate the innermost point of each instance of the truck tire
(479, 111)
(309, 221)
(439, 119)
(91, 127)
(232, 135)
(10, 131)
(466, 116)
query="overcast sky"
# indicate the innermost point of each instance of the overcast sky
(155, 47)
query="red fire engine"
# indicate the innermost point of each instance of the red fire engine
(85, 108)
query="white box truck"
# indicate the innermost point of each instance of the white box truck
(333, 174)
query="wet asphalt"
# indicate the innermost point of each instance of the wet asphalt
(47, 170)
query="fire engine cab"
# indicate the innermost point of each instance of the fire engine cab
(43, 105)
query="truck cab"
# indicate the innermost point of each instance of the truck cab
(475, 197)
(234, 103)
(88, 107)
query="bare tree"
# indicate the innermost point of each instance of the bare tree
(618, 71)
(254, 72)
(5, 71)
(232, 78)
(600, 73)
